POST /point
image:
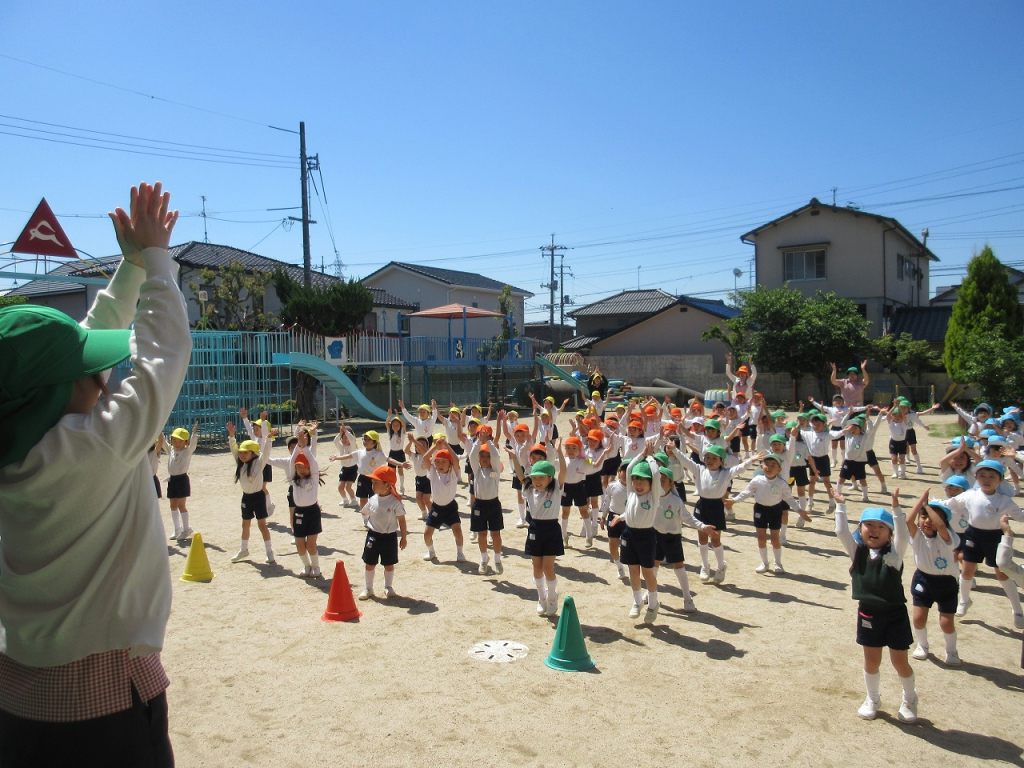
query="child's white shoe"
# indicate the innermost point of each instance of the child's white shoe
(720, 575)
(482, 569)
(705, 574)
(779, 570)
(366, 594)
(689, 606)
(174, 536)
(389, 592)
(305, 572)
(520, 524)
(461, 558)
(762, 568)
(800, 522)
(953, 659)
(963, 606)
(314, 573)
(473, 537)
(552, 607)
(429, 555)
(270, 507)
(650, 615)
(921, 652)
(541, 608)
(908, 711)
(634, 611)
(1018, 620)
(242, 554)
(869, 709)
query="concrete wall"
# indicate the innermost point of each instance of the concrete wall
(71, 304)
(675, 331)
(693, 371)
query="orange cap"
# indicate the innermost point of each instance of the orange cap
(386, 474)
(520, 428)
(573, 440)
(595, 434)
(444, 454)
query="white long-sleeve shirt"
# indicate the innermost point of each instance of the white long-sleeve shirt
(983, 511)
(485, 480)
(672, 513)
(710, 484)
(251, 479)
(817, 442)
(613, 502)
(767, 492)
(83, 553)
(857, 446)
(900, 536)
(178, 461)
(344, 450)
(305, 490)
(422, 427)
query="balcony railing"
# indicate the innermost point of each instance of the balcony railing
(377, 349)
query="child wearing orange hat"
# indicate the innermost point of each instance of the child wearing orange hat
(385, 531)
(485, 512)
(303, 473)
(444, 509)
(744, 378)
(595, 452)
(520, 444)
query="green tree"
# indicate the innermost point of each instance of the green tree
(985, 301)
(332, 309)
(236, 301)
(905, 356)
(506, 305)
(996, 364)
(10, 301)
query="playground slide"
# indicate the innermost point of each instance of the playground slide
(334, 379)
(561, 373)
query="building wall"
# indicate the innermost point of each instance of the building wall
(853, 262)
(675, 331)
(72, 304)
(693, 371)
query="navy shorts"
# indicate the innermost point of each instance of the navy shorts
(872, 459)
(638, 547)
(769, 517)
(884, 627)
(927, 589)
(291, 496)
(544, 539)
(254, 505)
(749, 430)
(156, 482)
(380, 548)
(446, 515)
(574, 495)
(423, 484)
(268, 473)
(397, 455)
(897, 447)
(799, 476)
(616, 531)
(911, 436)
(486, 515)
(669, 548)
(711, 512)
(821, 464)
(681, 490)
(364, 487)
(837, 434)
(179, 487)
(307, 521)
(611, 465)
(348, 474)
(695, 457)
(593, 485)
(517, 484)
(980, 546)
(734, 444)
(853, 470)
(456, 449)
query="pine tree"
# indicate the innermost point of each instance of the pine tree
(986, 300)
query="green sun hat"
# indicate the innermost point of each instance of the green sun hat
(713, 424)
(661, 458)
(642, 469)
(716, 450)
(778, 414)
(777, 439)
(542, 469)
(667, 473)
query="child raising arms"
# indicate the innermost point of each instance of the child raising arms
(183, 445)
(250, 458)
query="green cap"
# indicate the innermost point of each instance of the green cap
(642, 469)
(543, 468)
(802, 415)
(903, 401)
(792, 424)
(778, 414)
(667, 473)
(661, 458)
(816, 415)
(716, 450)
(777, 439)
(857, 423)
(44, 352)
(713, 424)
(853, 369)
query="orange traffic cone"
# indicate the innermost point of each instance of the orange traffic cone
(197, 565)
(340, 605)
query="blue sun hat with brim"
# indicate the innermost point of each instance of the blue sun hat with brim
(957, 481)
(982, 407)
(988, 433)
(990, 422)
(873, 513)
(943, 509)
(967, 441)
(995, 466)
(997, 440)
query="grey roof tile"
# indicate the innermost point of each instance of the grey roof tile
(452, 277)
(923, 323)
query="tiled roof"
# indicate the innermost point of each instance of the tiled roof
(202, 255)
(627, 303)
(716, 307)
(451, 277)
(102, 267)
(923, 323)
(581, 342)
(382, 298)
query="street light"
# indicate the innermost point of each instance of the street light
(736, 274)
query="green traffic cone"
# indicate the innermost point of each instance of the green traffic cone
(569, 650)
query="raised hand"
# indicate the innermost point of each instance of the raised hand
(231, 428)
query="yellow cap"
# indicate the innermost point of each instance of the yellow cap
(424, 407)
(250, 445)
(453, 409)
(181, 433)
(373, 435)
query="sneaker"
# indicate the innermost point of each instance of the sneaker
(242, 554)
(521, 524)
(174, 536)
(565, 540)
(705, 574)
(623, 573)
(921, 652)
(864, 496)
(1018, 620)
(762, 568)
(831, 505)
(366, 594)
(810, 505)
(644, 597)
(634, 611)
(482, 569)
(869, 709)
(953, 659)
(800, 522)
(499, 567)
(689, 606)
(963, 606)
(920, 471)
(428, 556)
(269, 559)
(552, 607)
(473, 537)
(305, 572)
(908, 711)
(650, 615)
(589, 542)
(461, 558)
(314, 573)
(185, 535)
(389, 592)
(883, 489)
(779, 570)
(720, 575)
(784, 541)
(895, 475)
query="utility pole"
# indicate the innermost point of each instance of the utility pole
(552, 285)
(306, 277)
(562, 298)
(205, 238)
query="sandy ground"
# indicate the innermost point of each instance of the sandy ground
(766, 673)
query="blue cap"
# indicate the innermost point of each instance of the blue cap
(997, 440)
(986, 433)
(1013, 416)
(959, 481)
(989, 422)
(873, 513)
(969, 442)
(943, 509)
(983, 407)
(1011, 409)
(995, 466)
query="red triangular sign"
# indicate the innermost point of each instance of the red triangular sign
(44, 236)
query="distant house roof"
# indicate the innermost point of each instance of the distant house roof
(449, 277)
(640, 302)
(102, 267)
(382, 298)
(817, 204)
(717, 308)
(952, 293)
(923, 323)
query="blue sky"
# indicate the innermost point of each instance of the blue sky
(646, 136)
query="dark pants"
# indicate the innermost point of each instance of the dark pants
(134, 738)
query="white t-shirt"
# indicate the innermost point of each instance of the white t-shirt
(933, 555)
(382, 513)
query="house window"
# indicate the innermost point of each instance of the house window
(803, 265)
(862, 310)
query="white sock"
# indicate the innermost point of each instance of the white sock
(720, 557)
(369, 579)
(704, 555)
(267, 545)
(542, 594)
(184, 521)
(871, 682)
(763, 551)
(801, 503)
(782, 533)
(966, 585)
(1010, 588)
(778, 556)
(652, 599)
(304, 558)
(497, 557)
(176, 520)
(564, 522)
(459, 552)
(483, 558)
(909, 689)
(314, 559)
(922, 636)
(918, 460)
(245, 546)
(950, 639)
(638, 597)
(684, 583)
(552, 589)
(522, 512)
(389, 578)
